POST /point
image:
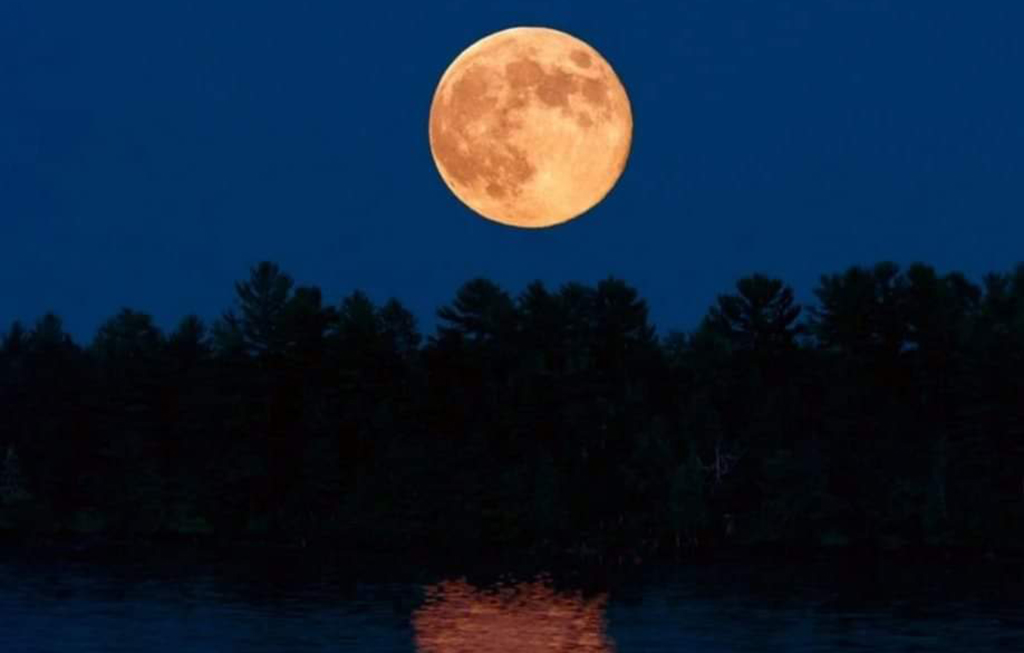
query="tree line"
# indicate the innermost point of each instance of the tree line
(888, 413)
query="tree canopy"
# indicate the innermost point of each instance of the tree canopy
(887, 413)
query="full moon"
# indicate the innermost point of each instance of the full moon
(530, 127)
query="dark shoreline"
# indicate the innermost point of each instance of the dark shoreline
(75, 547)
(834, 579)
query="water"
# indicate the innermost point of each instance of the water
(270, 605)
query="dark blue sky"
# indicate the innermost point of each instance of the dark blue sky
(150, 152)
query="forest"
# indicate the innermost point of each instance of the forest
(888, 414)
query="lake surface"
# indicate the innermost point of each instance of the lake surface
(295, 605)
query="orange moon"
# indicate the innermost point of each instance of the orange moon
(530, 127)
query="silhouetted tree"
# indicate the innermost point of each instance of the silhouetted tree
(481, 312)
(189, 343)
(761, 316)
(399, 329)
(263, 301)
(15, 340)
(130, 340)
(861, 311)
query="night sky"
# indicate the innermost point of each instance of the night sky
(151, 152)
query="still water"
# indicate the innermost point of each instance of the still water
(264, 605)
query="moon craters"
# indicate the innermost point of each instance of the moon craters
(580, 58)
(523, 72)
(554, 88)
(471, 144)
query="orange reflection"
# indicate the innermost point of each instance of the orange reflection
(460, 618)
